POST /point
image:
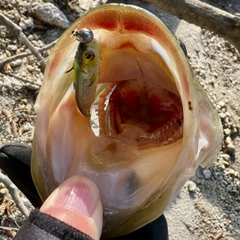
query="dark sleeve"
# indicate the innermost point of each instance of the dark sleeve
(41, 226)
(15, 160)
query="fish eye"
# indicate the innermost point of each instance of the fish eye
(89, 55)
(182, 45)
(85, 35)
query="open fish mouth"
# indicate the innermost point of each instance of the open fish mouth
(150, 123)
(140, 101)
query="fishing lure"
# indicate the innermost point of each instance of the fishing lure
(86, 69)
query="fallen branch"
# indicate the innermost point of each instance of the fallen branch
(14, 193)
(22, 38)
(25, 54)
(204, 15)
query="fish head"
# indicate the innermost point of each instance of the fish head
(151, 123)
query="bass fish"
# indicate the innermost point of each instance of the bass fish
(144, 130)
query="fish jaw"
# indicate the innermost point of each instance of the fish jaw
(135, 180)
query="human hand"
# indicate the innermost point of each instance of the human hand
(63, 203)
(77, 203)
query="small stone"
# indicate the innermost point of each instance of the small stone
(191, 186)
(225, 163)
(228, 114)
(30, 68)
(30, 37)
(29, 23)
(3, 34)
(226, 157)
(49, 14)
(207, 173)
(232, 216)
(22, 25)
(7, 82)
(12, 47)
(16, 63)
(227, 131)
(228, 140)
(232, 172)
(53, 34)
(3, 192)
(231, 148)
(35, 36)
(27, 127)
(222, 115)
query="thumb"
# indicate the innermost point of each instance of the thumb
(77, 203)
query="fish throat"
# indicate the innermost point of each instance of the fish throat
(137, 98)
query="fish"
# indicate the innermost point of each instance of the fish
(145, 132)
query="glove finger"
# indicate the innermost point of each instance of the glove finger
(15, 161)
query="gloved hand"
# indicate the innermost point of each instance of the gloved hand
(15, 160)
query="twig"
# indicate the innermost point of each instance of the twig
(204, 15)
(25, 54)
(218, 236)
(25, 81)
(23, 39)
(9, 228)
(14, 193)
(10, 119)
(14, 221)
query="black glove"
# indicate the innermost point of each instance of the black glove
(15, 160)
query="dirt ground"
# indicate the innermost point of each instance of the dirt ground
(208, 207)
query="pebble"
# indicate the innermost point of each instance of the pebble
(233, 217)
(49, 14)
(226, 157)
(207, 173)
(27, 23)
(30, 68)
(12, 47)
(3, 192)
(228, 140)
(225, 163)
(191, 186)
(231, 148)
(27, 127)
(222, 115)
(7, 81)
(22, 25)
(227, 131)
(53, 34)
(30, 37)
(16, 63)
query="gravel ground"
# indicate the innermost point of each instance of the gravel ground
(208, 207)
